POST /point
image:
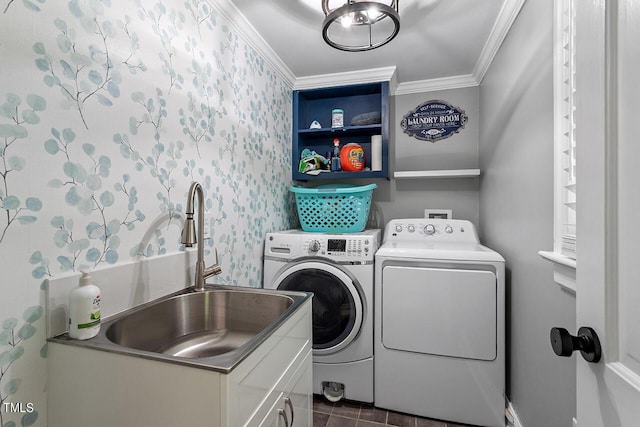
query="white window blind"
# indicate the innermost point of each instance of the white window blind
(565, 161)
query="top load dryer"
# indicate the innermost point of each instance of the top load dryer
(439, 339)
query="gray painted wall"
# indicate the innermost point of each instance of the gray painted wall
(510, 138)
(459, 151)
(409, 198)
(516, 215)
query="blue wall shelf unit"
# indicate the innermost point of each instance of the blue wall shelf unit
(355, 100)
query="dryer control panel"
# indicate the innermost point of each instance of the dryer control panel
(435, 230)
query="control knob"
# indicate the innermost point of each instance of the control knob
(314, 246)
(429, 229)
(398, 228)
(411, 228)
(448, 229)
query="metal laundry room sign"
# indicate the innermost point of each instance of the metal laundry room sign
(434, 120)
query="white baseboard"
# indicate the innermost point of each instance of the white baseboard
(512, 417)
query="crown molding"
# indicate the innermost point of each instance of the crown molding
(444, 83)
(250, 35)
(508, 14)
(347, 78)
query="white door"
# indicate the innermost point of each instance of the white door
(608, 226)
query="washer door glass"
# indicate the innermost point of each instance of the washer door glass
(336, 304)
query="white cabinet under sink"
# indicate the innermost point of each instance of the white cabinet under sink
(105, 389)
(291, 406)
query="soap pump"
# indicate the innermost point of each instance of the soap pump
(84, 309)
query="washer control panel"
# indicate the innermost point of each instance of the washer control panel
(347, 247)
(437, 230)
(339, 247)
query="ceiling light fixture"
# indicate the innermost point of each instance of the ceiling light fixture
(360, 25)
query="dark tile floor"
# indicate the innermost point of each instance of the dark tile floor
(354, 414)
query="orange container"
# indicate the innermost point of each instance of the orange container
(352, 158)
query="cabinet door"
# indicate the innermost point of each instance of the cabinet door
(276, 415)
(293, 407)
(299, 407)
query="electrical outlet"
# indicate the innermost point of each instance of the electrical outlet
(207, 226)
(437, 214)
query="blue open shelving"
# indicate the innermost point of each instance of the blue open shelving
(317, 104)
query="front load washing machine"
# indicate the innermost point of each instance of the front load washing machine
(439, 323)
(338, 269)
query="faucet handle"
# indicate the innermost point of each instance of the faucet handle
(215, 269)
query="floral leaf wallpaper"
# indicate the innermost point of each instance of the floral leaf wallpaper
(108, 110)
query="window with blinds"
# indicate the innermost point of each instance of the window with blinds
(565, 143)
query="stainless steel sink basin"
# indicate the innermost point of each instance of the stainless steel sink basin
(213, 329)
(201, 324)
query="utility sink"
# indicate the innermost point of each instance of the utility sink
(199, 324)
(212, 329)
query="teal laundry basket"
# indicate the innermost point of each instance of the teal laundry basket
(334, 208)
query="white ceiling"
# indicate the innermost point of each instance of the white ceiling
(438, 39)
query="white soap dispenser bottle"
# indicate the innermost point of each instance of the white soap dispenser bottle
(84, 309)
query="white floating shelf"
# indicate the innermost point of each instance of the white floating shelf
(449, 173)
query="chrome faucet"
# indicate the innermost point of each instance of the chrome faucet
(189, 237)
